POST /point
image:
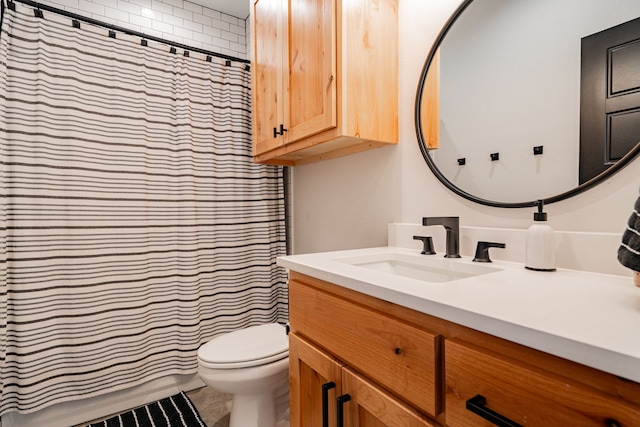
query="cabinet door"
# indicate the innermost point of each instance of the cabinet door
(311, 100)
(315, 383)
(269, 34)
(369, 406)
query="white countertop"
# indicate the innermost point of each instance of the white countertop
(589, 318)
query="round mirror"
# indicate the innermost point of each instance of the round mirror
(524, 100)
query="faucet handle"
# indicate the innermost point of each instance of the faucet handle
(482, 250)
(427, 244)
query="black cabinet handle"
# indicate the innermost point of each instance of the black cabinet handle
(325, 402)
(281, 132)
(340, 409)
(477, 405)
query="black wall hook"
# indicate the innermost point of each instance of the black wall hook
(495, 156)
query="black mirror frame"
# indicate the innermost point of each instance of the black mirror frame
(425, 151)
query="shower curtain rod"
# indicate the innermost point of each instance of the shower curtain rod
(40, 6)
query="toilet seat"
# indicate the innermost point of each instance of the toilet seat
(249, 347)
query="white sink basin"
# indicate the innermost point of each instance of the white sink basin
(428, 268)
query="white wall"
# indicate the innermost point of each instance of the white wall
(393, 184)
(175, 20)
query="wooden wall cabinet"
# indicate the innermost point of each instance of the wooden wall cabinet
(404, 368)
(324, 78)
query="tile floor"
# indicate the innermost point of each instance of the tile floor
(213, 407)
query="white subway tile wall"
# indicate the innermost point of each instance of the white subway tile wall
(175, 20)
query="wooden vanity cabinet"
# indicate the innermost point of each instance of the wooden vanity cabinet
(318, 381)
(405, 368)
(324, 78)
(393, 353)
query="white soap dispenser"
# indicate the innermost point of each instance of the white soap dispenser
(541, 243)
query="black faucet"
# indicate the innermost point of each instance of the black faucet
(452, 225)
(427, 244)
(482, 250)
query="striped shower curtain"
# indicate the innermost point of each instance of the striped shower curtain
(134, 226)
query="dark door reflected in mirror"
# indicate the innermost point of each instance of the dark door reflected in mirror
(610, 97)
(498, 110)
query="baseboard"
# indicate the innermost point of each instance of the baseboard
(82, 411)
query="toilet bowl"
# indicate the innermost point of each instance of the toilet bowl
(252, 364)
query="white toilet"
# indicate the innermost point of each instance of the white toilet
(252, 364)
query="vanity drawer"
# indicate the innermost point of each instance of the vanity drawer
(395, 354)
(524, 394)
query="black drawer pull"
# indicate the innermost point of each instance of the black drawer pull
(477, 405)
(325, 402)
(340, 409)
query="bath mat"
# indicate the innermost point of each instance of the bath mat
(174, 411)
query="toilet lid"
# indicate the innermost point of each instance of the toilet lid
(247, 347)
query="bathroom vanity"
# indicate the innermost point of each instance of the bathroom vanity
(372, 346)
